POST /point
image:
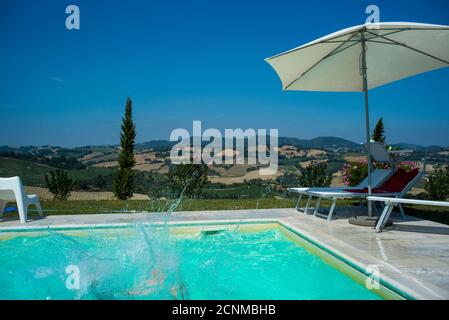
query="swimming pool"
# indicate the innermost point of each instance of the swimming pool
(235, 261)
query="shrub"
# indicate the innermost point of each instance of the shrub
(59, 184)
(315, 175)
(288, 179)
(187, 178)
(437, 187)
(96, 183)
(100, 182)
(354, 172)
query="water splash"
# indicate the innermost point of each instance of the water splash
(268, 190)
(163, 270)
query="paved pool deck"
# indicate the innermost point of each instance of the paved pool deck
(412, 255)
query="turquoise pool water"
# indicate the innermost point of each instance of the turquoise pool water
(145, 263)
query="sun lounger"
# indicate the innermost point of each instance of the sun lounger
(396, 186)
(378, 176)
(379, 154)
(11, 190)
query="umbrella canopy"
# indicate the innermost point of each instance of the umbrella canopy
(364, 57)
(394, 51)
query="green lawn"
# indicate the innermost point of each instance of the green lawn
(117, 206)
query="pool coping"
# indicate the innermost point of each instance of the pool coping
(387, 282)
(384, 280)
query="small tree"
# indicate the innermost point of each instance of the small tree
(59, 184)
(187, 178)
(379, 131)
(437, 187)
(123, 183)
(315, 175)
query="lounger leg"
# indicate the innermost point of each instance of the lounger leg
(317, 207)
(298, 202)
(2, 207)
(331, 211)
(306, 209)
(384, 217)
(401, 209)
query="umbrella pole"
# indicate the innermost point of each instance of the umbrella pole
(368, 135)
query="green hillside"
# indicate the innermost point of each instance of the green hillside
(32, 173)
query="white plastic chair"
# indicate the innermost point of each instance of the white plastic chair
(11, 190)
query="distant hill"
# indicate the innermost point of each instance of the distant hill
(418, 147)
(155, 145)
(329, 143)
(320, 143)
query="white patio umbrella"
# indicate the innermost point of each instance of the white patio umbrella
(364, 57)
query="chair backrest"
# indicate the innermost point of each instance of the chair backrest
(379, 153)
(378, 176)
(8, 186)
(400, 182)
(413, 181)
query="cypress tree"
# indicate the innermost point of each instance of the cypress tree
(123, 183)
(379, 131)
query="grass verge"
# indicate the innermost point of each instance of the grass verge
(117, 206)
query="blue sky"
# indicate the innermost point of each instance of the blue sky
(195, 60)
